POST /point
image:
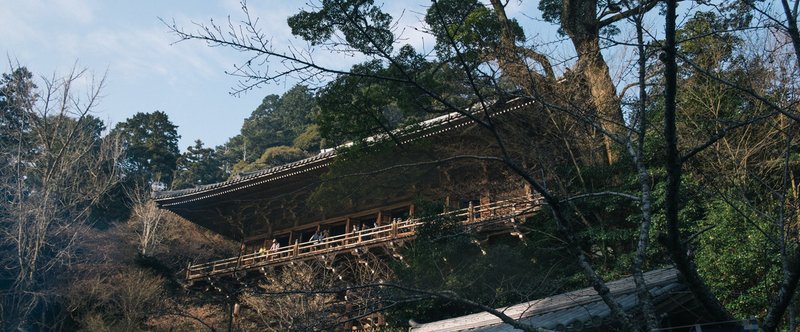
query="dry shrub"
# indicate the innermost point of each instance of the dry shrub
(96, 323)
(315, 295)
(172, 240)
(121, 302)
(184, 242)
(190, 318)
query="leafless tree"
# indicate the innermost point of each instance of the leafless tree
(760, 154)
(146, 219)
(60, 168)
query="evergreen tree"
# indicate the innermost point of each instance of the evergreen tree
(277, 121)
(197, 166)
(17, 97)
(150, 141)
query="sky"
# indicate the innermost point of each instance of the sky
(146, 70)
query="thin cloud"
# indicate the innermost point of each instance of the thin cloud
(77, 11)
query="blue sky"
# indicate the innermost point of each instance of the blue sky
(146, 71)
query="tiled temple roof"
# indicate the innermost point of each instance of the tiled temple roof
(574, 310)
(245, 180)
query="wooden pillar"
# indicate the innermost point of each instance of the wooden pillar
(470, 213)
(296, 247)
(411, 211)
(230, 316)
(235, 315)
(485, 201)
(446, 204)
(529, 194)
(347, 230)
(241, 253)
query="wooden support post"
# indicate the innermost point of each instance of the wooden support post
(470, 213)
(235, 316)
(347, 230)
(529, 194)
(411, 212)
(241, 253)
(485, 203)
(394, 228)
(296, 247)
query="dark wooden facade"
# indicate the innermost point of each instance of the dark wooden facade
(284, 203)
(274, 202)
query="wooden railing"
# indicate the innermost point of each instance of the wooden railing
(398, 230)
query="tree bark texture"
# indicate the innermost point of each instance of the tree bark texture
(579, 21)
(677, 249)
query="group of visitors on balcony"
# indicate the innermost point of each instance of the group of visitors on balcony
(357, 232)
(319, 237)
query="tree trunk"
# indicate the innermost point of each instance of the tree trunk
(511, 59)
(675, 245)
(579, 21)
(784, 297)
(637, 154)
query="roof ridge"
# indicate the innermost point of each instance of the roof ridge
(331, 153)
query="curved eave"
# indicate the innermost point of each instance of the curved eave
(432, 127)
(177, 197)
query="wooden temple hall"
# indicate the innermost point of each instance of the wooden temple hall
(298, 211)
